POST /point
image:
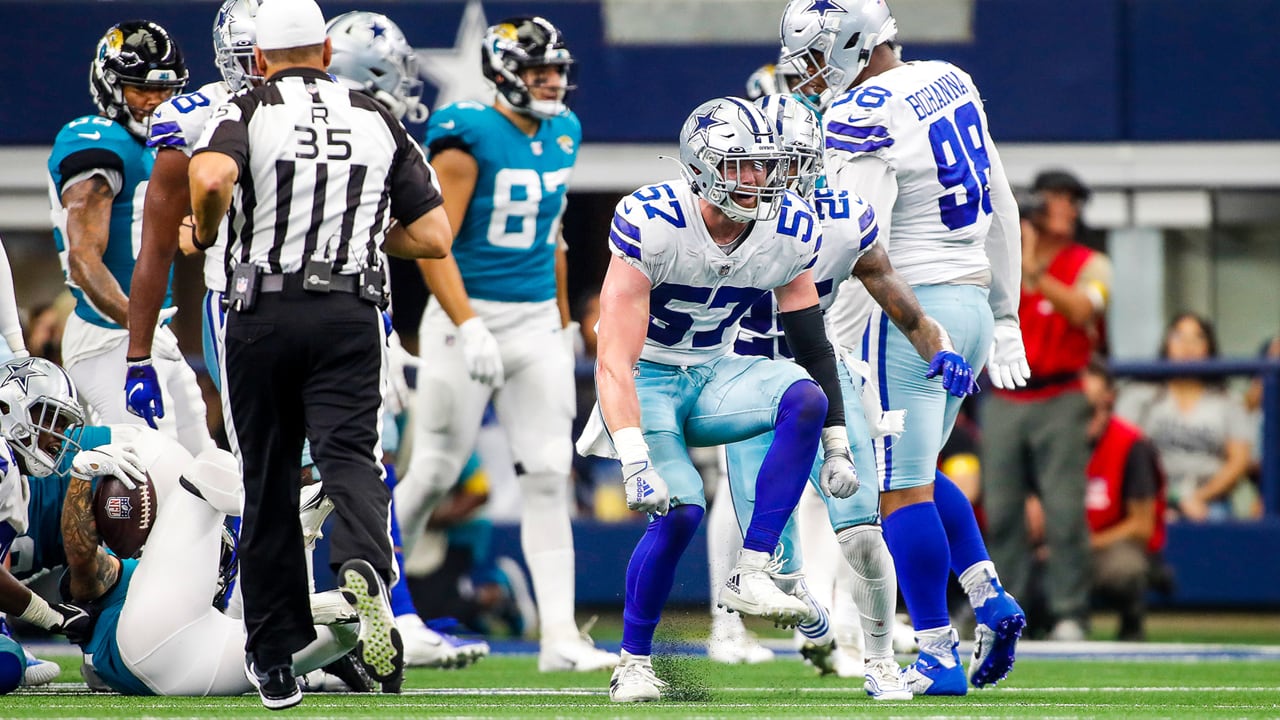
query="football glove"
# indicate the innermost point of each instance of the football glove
(837, 478)
(164, 344)
(116, 460)
(76, 623)
(646, 490)
(957, 376)
(481, 352)
(1008, 361)
(142, 391)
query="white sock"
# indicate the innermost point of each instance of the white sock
(724, 540)
(845, 616)
(976, 581)
(547, 540)
(874, 587)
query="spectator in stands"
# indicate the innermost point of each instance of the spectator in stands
(1253, 405)
(1200, 429)
(45, 325)
(1034, 437)
(1125, 505)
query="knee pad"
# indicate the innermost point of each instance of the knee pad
(214, 476)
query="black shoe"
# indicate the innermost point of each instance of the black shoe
(276, 686)
(379, 647)
(350, 671)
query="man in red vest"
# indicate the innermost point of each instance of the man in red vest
(1124, 504)
(1034, 436)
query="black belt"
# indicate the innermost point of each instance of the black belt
(1043, 382)
(294, 282)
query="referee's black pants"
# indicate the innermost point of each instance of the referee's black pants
(304, 364)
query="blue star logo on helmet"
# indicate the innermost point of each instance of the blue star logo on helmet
(377, 30)
(22, 373)
(822, 7)
(704, 123)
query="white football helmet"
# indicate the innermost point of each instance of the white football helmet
(235, 31)
(371, 55)
(799, 134)
(729, 155)
(37, 397)
(832, 40)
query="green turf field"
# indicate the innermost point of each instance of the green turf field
(510, 686)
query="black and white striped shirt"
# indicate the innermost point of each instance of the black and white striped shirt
(323, 171)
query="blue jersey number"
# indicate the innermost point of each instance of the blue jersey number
(186, 103)
(829, 205)
(963, 166)
(657, 194)
(794, 222)
(669, 325)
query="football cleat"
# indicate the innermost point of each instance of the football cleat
(937, 670)
(427, 647)
(470, 650)
(379, 648)
(995, 639)
(751, 591)
(634, 680)
(734, 645)
(822, 656)
(579, 654)
(885, 680)
(39, 672)
(848, 662)
(313, 508)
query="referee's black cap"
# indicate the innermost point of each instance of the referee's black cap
(1063, 180)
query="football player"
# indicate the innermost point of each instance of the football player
(12, 344)
(912, 139)
(691, 257)
(372, 56)
(497, 325)
(98, 172)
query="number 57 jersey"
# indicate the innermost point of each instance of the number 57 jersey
(926, 121)
(699, 294)
(506, 246)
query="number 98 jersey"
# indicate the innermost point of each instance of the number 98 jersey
(506, 246)
(699, 294)
(926, 121)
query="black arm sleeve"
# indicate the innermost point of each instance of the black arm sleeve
(1141, 472)
(807, 338)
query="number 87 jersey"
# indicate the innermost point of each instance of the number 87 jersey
(506, 246)
(925, 120)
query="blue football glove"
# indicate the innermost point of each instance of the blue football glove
(957, 376)
(142, 391)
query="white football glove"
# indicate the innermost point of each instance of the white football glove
(398, 397)
(481, 352)
(646, 490)
(164, 344)
(1007, 364)
(838, 478)
(117, 460)
(569, 334)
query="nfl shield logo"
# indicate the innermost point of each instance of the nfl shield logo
(242, 284)
(723, 270)
(119, 508)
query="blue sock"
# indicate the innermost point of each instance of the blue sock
(652, 572)
(785, 468)
(401, 602)
(918, 544)
(963, 536)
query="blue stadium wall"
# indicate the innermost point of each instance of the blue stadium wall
(1052, 71)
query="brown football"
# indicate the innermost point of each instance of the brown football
(124, 516)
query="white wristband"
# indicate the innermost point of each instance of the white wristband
(835, 439)
(39, 613)
(630, 444)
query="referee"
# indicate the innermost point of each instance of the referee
(310, 177)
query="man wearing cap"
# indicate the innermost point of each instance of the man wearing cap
(314, 176)
(1034, 438)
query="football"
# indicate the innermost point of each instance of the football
(124, 516)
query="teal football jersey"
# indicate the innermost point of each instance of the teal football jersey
(506, 246)
(93, 142)
(102, 647)
(40, 548)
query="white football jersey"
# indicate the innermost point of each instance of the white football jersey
(927, 122)
(178, 123)
(699, 293)
(849, 230)
(14, 492)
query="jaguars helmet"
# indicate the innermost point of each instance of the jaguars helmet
(235, 32)
(771, 79)
(516, 44)
(799, 134)
(833, 41)
(38, 397)
(371, 55)
(721, 141)
(137, 52)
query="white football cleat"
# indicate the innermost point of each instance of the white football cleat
(885, 680)
(313, 507)
(424, 647)
(634, 680)
(904, 637)
(730, 643)
(848, 662)
(578, 654)
(750, 590)
(39, 672)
